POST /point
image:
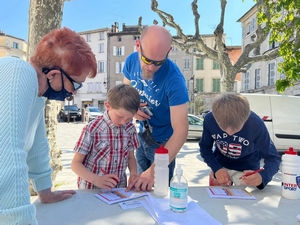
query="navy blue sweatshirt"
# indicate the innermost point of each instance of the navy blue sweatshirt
(241, 151)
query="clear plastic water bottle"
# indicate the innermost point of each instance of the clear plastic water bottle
(161, 171)
(290, 168)
(178, 191)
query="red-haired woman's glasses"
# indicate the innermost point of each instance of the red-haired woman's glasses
(75, 84)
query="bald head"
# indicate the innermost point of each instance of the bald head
(157, 37)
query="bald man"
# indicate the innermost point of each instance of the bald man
(162, 89)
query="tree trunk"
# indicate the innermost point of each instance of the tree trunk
(44, 16)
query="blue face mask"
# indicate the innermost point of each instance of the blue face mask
(56, 95)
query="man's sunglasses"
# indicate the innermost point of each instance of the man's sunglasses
(76, 85)
(149, 61)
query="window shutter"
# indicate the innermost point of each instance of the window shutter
(117, 67)
(114, 51)
(123, 50)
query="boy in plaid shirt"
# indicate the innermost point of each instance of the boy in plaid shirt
(106, 145)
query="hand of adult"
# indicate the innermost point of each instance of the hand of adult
(223, 177)
(252, 180)
(48, 196)
(144, 182)
(140, 115)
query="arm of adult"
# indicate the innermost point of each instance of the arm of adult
(107, 181)
(179, 123)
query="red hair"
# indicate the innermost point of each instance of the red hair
(64, 48)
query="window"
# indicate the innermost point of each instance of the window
(118, 50)
(216, 65)
(101, 67)
(94, 87)
(186, 64)
(119, 39)
(15, 45)
(88, 37)
(216, 85)
(119, 67)
(199, 64)
(101, 47)
(174, 61)
(246, 82)
(271, 74)
(199, 85)
(136, 37)
(101, 35)
(257, 78)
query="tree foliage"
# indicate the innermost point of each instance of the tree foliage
(195, 41)
(282, 19)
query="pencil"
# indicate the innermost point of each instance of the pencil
(250, 173)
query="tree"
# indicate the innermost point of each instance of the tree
(190, 42)
(45, 16)
(282, 19)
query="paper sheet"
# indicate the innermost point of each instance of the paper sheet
(119, 195)
(159, 208)
(225, 192)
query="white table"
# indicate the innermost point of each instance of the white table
(83, 208)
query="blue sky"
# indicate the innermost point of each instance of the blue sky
(83, 15)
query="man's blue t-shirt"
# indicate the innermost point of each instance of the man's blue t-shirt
(168, 88)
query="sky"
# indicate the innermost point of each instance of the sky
(84, 15)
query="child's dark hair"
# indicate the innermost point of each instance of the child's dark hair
(124, 96)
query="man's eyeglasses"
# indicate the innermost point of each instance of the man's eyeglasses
(149, 61)
(75, 84)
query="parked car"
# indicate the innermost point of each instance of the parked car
(73, 110)
(195, 127)
(91, 113)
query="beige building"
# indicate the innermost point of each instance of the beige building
(261, 76)
(93, 92)
(12, 46)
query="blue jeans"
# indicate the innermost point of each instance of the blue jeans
(145, 157)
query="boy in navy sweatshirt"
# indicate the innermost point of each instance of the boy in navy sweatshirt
(234, 141)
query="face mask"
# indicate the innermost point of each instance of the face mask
(57, 95)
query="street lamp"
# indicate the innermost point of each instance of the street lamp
(192, 92)
(195, 93)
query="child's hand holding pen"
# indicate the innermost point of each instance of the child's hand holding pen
(109, 181)
(252, 178)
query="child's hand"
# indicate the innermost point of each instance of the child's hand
(107, 181)
(223, 177)
(252, 180)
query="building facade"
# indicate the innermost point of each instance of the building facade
(94, 90)
(261, 76)
(12, 46)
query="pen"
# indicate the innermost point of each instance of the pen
(103, 171)
(250, 173)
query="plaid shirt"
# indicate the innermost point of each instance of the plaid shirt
(106, 146)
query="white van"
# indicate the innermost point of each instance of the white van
(281, 114)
